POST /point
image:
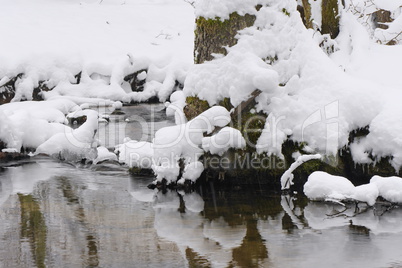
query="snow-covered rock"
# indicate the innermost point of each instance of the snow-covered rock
(74, 144)
(322, 186)
(390, 188)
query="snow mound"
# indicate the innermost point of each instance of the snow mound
(180, 147)
(235, 76)
(390, 188)
(175, 107)
(89, 54)
(226, 138)
(74, 144)
(29, 124)
(135, 154)
(103, 154)
(323, 186)
(192, 171)
(184, 142)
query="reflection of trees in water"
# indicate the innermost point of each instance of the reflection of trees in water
(244, 207)
(195, 260)
(238, 208)
(73, 200)
(33, 228)
(253, 249)
(225, 209)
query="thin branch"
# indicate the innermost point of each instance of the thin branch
(191, 2)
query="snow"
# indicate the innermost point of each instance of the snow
(222, 9)
(74, 144)
(29, 124)
(287, 176)
(103, 154)
(316, 105)
(192, 171)
(96, 42)
(184, 142)
(309, 96)
(175, 107)
(226, 138)
(235, 76)
(316, 12)
(135, 153)
(366, 193)
(323, 186)
(390, 188)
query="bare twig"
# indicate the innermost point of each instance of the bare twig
(191, 2)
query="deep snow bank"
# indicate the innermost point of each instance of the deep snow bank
(310, 98)
(87, 48)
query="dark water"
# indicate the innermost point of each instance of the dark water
(54, 214)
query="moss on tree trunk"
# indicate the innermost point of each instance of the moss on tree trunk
(329, 13)
(306, 14)
(330, 18)
(213, 35)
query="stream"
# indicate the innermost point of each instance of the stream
(55, 214)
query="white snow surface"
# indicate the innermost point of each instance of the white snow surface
(226, 138)
(222, 9)
(103, 154)
(308, 96)
(287, 176)
(323, 186)
(74, 144)
(192, 171)
(104, 40)
(185, 142)
(136, 153)
(321, 99)
(390, 188)
(29, 124)
(175, 107)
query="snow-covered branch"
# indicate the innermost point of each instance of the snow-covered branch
(287, 177)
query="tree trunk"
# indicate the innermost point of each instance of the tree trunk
(330, 18)
(329, 14)
(306, 14)
(213, 35)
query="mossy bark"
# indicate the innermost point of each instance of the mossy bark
(330, 18)
(213, 35)
(194, 106)
(329, 13)
(305, 12)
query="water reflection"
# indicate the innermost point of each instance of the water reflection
(33, 228)
(57, 215)
(261, 229)
(138, 122)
